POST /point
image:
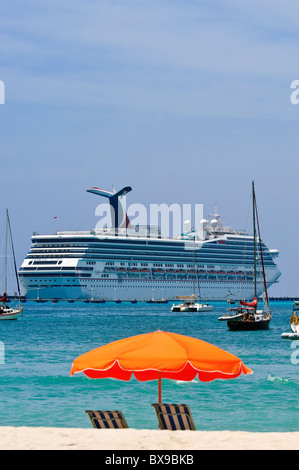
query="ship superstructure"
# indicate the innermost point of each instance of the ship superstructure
(137, 263)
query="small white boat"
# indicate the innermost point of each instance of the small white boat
(185, 299)
(237, 316)
(189, 305)
(196, 307)
(7, 313)
(294, 324)
(290, 335)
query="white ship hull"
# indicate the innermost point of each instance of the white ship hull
(141, 289)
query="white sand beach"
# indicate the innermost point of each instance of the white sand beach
(26, 438)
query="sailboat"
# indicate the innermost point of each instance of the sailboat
(247, 316)
(190, 305)
(6, 312)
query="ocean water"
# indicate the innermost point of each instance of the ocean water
(37, 352)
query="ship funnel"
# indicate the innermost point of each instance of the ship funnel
(118, 214)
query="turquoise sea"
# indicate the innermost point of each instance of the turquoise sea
(38, 349)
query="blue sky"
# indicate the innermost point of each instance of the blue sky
(185, 101)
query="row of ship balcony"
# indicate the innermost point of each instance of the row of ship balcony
(146, 272)
(180, 273)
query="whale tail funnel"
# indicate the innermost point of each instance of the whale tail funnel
(119, 216)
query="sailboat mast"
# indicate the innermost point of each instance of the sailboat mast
(14, 255)
(5, 254)
(194, 266)
(254, 237)
(262, 259)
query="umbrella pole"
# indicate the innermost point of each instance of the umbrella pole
(159, 388)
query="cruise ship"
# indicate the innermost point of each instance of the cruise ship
(127, 263)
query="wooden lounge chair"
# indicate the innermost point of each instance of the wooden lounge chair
(107, 419)
(174, 417)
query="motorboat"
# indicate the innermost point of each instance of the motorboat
(294, 324)
(189, 305)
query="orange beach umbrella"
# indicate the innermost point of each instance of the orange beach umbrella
(159, 355)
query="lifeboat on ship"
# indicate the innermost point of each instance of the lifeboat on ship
(133, 272)
(201, 273)
(221, 273)
(121, 272)
(158, 272)
(145, 272)
(181, 272)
